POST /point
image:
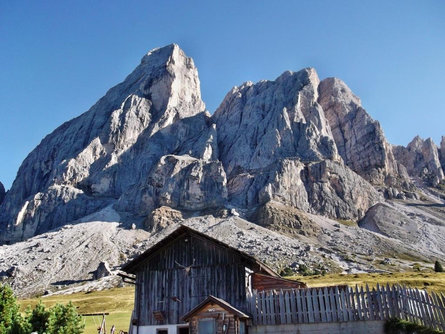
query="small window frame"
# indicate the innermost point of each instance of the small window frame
(208, 319)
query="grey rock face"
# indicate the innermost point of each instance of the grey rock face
(386, 220)
(93, 159)
(421, 159)
(326, 187)
(360, 140)
(284, 219)
(442, 153)
(2, 192)
(259, 124)
(150, 143)
(276, 144)
(103, 270)
(181, 182)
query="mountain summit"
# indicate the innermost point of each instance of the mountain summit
(304, 143)
(89, 162)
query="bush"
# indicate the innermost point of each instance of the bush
(287, 272)
(397, 326)
(438, 267)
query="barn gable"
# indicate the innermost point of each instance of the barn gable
(147, 256)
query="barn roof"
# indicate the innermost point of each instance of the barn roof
(215, 300)
(131, 267)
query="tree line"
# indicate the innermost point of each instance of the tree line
(59, 319)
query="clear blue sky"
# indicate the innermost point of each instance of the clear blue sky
(57, 58)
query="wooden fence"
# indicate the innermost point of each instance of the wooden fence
(338, 304)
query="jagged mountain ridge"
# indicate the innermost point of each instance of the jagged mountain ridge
(150, 142)
(297, 155)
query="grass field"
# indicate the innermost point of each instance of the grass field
(430, 281)
(119, 302)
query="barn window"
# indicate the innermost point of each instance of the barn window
(183, 330)
(206, 326)
(242, 327)
(162, 331)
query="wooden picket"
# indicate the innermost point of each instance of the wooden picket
(340, 304)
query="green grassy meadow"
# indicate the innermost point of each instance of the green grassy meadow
(119, 301)
(430, 281)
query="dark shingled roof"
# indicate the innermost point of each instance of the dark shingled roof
(130, 267)
(214, 300)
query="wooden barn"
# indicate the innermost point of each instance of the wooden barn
(191, 283)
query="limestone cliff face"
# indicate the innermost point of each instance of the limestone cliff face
(421, 159)
(92, 160)
(149, 143)
(442, 153)
(259, 124)
(360, 140)
(276, 144)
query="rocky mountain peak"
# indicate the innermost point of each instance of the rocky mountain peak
(442, 153)
(261, 123)
(421, 159)
(89, 162)
(360, 139)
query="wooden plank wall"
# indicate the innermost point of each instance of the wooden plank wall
(262, 282)
(163, 284)
(331, 304)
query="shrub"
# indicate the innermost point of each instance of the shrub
(397, 326)
(438, 267)
(287, 272)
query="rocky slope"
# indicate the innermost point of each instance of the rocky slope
(295, 155)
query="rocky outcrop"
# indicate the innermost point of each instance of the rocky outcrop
(2, 193)
(442, 153)
(326, 187)
(94, 159)
(360, 140)
(421, 159)
(388, 221)
(103, 270)
(161, 218)
(259, 124)
(284, 219)
(181, 182)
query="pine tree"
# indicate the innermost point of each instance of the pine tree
(38, 318)
(64, 320)
(438, 267)
(11, 322)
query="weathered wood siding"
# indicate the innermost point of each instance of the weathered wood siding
(215, 270)
(263, 282)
